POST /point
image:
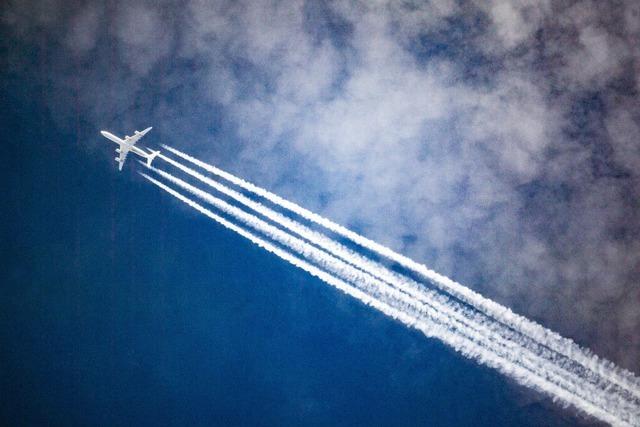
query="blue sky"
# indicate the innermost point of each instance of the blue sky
(494, 141)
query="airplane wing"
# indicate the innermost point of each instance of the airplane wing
(123, 155)
(136, 136)
(133, 139)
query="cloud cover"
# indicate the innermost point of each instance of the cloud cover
(494, 141)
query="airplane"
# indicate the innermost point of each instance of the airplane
(128, 144)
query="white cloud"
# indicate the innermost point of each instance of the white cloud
(144, 35)
(625, 133)
(83, 30)
(598, 57)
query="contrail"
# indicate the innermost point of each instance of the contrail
(546, 337)
(445, 313)
(461, 343)
(488, 328)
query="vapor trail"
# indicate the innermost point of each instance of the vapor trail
(486, 328)
(319, 239)
(458, 320)
(546, 337)
(411, 318)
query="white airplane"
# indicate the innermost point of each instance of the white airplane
(128, 144)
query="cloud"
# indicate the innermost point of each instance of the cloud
(495, 141)
(144, 36)
(82, 34)
(514, 22)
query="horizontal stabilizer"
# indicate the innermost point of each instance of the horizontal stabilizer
(152, 156)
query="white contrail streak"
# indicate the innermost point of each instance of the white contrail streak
(443, 313)
(405, 315)
(488, 329)
(544, 336)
